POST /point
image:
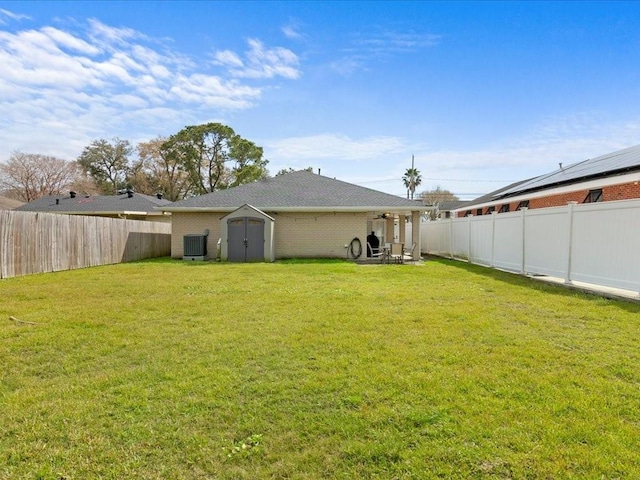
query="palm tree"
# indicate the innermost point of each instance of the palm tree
(411, 180)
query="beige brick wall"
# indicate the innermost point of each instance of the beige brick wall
(317, 234)
(194, 223)
(295, 234)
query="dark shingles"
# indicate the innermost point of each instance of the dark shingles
(301, 189)
(95, 204)
(489, 196)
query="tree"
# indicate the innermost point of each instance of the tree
(28, 176)
(249, 165)
(158, 171)
(204, 151)
(437, 195)
(284, 171)
(411, 180)
(107, 163)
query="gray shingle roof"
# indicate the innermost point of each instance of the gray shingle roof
(450, 204)
(96, 204)
(297, 190)
(614, 163)
(489, 197)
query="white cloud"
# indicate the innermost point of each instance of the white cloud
(292, 30)
(261, 62)
(63, 87)
(333, 146)
(213, 92)
(565, 139)
(66, 40)
(11, 15)
(380, 162)
(347, 66)
(228, 59)
(392, 42)
(129, 101)
(100, 32)
(365, 48)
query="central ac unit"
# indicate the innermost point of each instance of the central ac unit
(195, 247)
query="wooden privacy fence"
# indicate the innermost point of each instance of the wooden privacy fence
(594, 243)
(44, 242)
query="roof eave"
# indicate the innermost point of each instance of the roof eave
(100, 212)
(561, 183)
(352, 209)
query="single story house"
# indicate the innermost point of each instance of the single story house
(614, 176)
(298, 214)
(128, 205)
(444, 208)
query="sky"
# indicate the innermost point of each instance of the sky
(478, 94)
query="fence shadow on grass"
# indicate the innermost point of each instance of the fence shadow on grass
(513, 278)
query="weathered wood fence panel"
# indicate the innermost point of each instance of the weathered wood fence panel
(33, 242)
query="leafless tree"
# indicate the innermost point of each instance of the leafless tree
(437, 195)
(28, 176)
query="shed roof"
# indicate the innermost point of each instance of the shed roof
(137, 204)
(297, 191)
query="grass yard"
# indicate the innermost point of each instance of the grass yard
(310, 370)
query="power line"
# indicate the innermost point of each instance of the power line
(437, 180)
(452, 193)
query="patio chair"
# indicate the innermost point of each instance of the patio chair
(396, 252)
(407, 253)
(376, 252)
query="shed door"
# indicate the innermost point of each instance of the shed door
(245, 241)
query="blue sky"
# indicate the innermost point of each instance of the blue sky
(482, 94)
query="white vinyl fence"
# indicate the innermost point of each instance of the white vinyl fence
(595, 243)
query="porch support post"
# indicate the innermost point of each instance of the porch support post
(415, 234)
(402, 227)
(389, 233)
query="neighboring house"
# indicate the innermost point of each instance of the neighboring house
(444, 208)
(129, 205)
(614, 176)
(9, 203)
(299, 214)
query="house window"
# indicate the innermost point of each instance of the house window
(479, 211)
(504, 208)
(447, 214)
(523, 204)
(491, 209)
(593, 196)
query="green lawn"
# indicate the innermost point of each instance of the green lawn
(304, 370)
